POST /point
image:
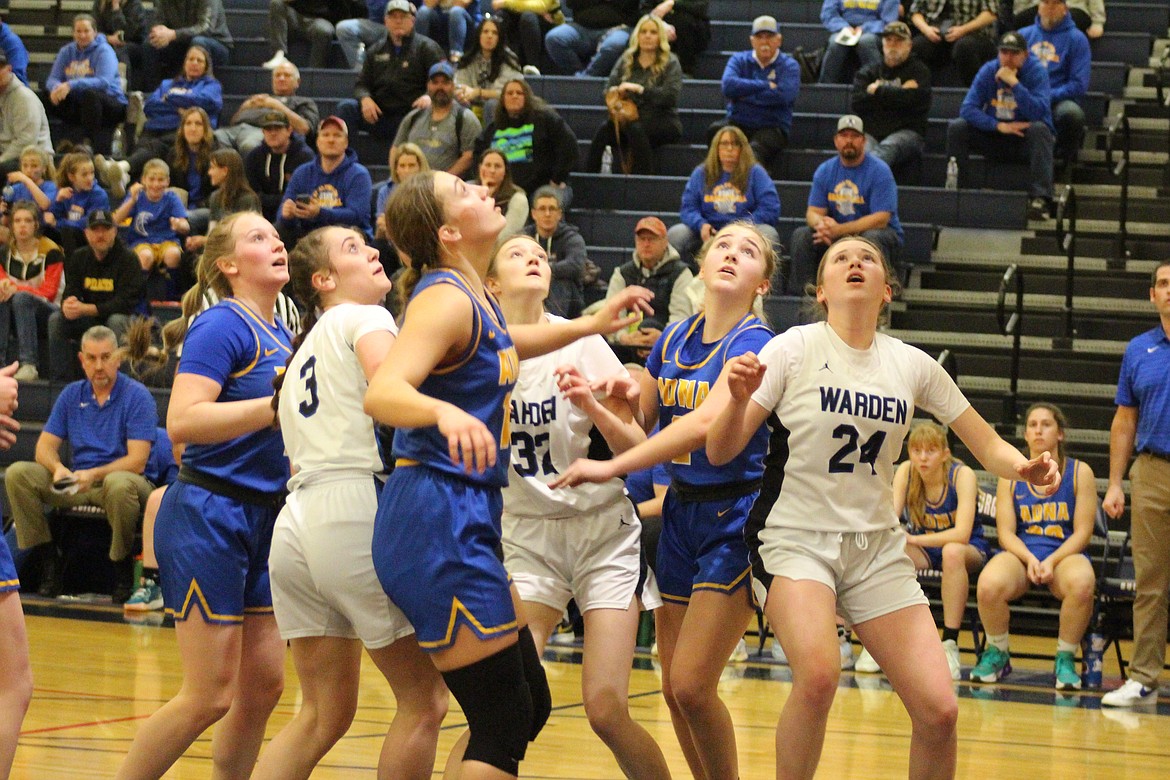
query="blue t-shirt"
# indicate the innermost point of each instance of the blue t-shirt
(242, 353)
(97, 433)
(150, 221)
(1144, 384)
(19, 191)
(852, 193)
(72, 211)
(686, 369)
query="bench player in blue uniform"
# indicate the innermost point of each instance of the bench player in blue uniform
(15, 671)
(702, 563)
(214, 527)
(844, 395)
(445, 387)
(326, 596)
(1043, 538)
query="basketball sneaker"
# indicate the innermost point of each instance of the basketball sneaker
(951, 648)
(866, 663)
(846, 652)
(1129, 694)
(147, 598)
(993, 665)
(1067, 678)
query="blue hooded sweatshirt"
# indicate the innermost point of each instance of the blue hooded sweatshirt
(162, 107)
(94, 67)
(1064, 50)
(15, 51)
(343, 194)
(761, 97)
(723, 203)
(870, 15)
(990, 101)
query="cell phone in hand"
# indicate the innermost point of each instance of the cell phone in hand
(304, 200)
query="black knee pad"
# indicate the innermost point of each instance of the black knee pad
(537, 682)
(493, 693)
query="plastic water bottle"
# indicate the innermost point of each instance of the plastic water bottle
(607, 161)
(1093, 652)
(952, 174)
(361, 55)
(118, 144)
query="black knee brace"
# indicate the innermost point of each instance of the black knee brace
(494, 696)
(537, 682)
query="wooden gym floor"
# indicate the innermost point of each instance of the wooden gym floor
(97, 677)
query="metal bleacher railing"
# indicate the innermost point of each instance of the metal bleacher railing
(1011, 326)
(1117, 126)
(1066, 236)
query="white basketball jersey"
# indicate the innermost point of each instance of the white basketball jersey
(321, 417)
(847, 412)
(549, 433)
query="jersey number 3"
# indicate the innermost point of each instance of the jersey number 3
(868, 452)
(309, 375)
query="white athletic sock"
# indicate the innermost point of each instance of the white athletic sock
(998, 641)
(1065, 647)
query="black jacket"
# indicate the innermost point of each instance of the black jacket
(268, 172)
(601, 14)
(892, 108)
(395, 79)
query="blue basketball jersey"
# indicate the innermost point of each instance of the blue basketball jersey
(686, 369)
(479, 381)
(230, 344)
(1047, 517)
(940, 516)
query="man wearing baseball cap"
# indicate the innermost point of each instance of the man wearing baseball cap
(393, 78)
(655, 265)
(334, 189)
(852, 194)
(22, 119)
(271, 164)
(1007, 115)
(302, 115)
(892, 97)
(445, 130)
(853, 35)
(1059, 46)
(958, 31)
(760, 87)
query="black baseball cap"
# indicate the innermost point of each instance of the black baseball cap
(99, 218)
(1012, 41)
(275, 119)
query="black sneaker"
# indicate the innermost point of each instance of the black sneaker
(1037, 208)
(51, 583)
(123, 580)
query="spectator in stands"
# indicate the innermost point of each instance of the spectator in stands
(334, 189)
(495, 174)
(893, 100)
(565, 248)
(405, 160)
(30, 276)
(245, 130)
(181, 24)
(760, 87)
(232, 193)
(539, 146)
(1043, 538)
(655, 265)
(83, 88)
(1087, 15)
(157, 218)
(592, 41)
(854, 26)
(688, 28)
(14, 51)
(109, 421)
(525, 23)
(650, 76)
(1060, 47)
(271, 164)
(852, 194)
(958, 31)
(33, 182)
(78, 194)
(123, 22)
(190, 160)
(444, 129)
(103, 286)
(311, 19)
(938, 499)
(22, 119)
(393, 78)
(359, 34)
(1140, 424)
(487, 66)
(449, 21)
(1007, 115)
(728, 186)
(196, 87)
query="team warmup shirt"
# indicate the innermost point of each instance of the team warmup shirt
(337, 436)
(549, 432)
(150, 221)
(847, 412)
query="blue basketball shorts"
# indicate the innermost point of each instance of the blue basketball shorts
(702, 546)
